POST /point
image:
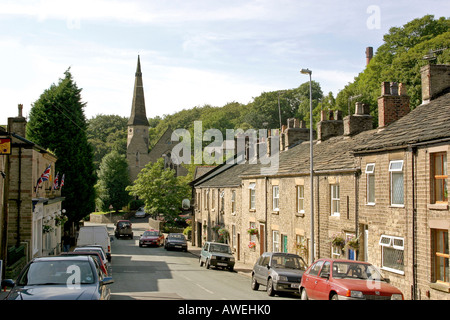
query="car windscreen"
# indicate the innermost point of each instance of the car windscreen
(356, 271)
(151, 233)
(219, 248)
(61, 272)
(288, 262)
(176, 237)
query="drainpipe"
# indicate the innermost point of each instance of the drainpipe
(19, 200)
(413, 150)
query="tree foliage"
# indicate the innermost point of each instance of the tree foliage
(161, 191)
(57, 122)
(399, 59)
(113, 178)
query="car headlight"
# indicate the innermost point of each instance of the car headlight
(356, 294)
(213, 257)
(231, 259)
(397, 296)
(282, 278)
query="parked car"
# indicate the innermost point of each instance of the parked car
(95, 235)
(151, 238)
(140, 213)
(217, 255)
(329, 279)
(60, 278)
(124, 229)
(278, 271)
(175, 241)
(97, 249)
(93, 254)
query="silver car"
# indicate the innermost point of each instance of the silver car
(278, 271)
(217, 255)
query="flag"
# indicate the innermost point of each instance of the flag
(55, 183)
(62, 181)
(44, 177)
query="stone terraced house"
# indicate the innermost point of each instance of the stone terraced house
(383, 191)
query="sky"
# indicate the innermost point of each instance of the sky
(192, 52)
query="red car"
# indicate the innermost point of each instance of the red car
(329, 279)
(151, 238)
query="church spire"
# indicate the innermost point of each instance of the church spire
(138, 115)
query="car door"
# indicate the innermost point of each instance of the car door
(204, 253)
(322, 287)
(311, 279)
(261, 269)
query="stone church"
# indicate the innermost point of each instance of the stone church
(138, 153)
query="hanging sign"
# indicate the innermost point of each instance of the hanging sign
(5, 145)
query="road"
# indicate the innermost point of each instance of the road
(152, 273)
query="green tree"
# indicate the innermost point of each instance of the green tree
(113, 179)
(57, 122)
(107, 133)
(161, 191)
(399, 59)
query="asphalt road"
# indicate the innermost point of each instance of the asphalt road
(152, 273)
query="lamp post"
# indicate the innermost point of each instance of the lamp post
(311, 174)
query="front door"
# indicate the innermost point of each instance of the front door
(284, 244)
(262, 239)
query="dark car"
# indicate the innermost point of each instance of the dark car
(329, 279)
(93, 254)
(278, 271)
(175, 241)
(151, 238)
(217, 255)
(60, 278)
(123, 229)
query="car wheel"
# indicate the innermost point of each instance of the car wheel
(270, 289)
(207, 264)
(255, 284)
(231, 269)
(334, 297)
(304, 295)
(201, 262)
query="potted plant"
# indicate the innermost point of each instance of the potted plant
(338, 240)
(251, 244)
(252, 231)
(353, 243)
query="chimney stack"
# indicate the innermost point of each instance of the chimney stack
(359, 122)
(435, 81)
(369, 55)
(295, 133)
(332, 127)
(18, 124)
(392, 104)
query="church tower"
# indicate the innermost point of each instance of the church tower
(137, 141)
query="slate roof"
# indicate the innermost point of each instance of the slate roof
(427, 122)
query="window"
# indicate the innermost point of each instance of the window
(233, 201)
(396, 171)
(222, 201)
(206, 200)
(439, 176)
(252, 195)
(441, 256)
(314, 271)
(276, 241)
(370, 174)
(392, 253)
(275, 198)
(335, 200)
(300, 199)
(213, 200)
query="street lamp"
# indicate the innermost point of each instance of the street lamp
(311, 174)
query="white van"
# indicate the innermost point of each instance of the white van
(95, 235)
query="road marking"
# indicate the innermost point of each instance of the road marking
(202, 287)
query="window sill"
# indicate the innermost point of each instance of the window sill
(252, 210)
(300, 214)
(437, 206)
(370, 204)
(393, 270)
(444, 287)
(276, 212)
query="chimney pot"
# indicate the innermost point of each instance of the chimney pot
(369, 54)
(394, 88)
(385, 88)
